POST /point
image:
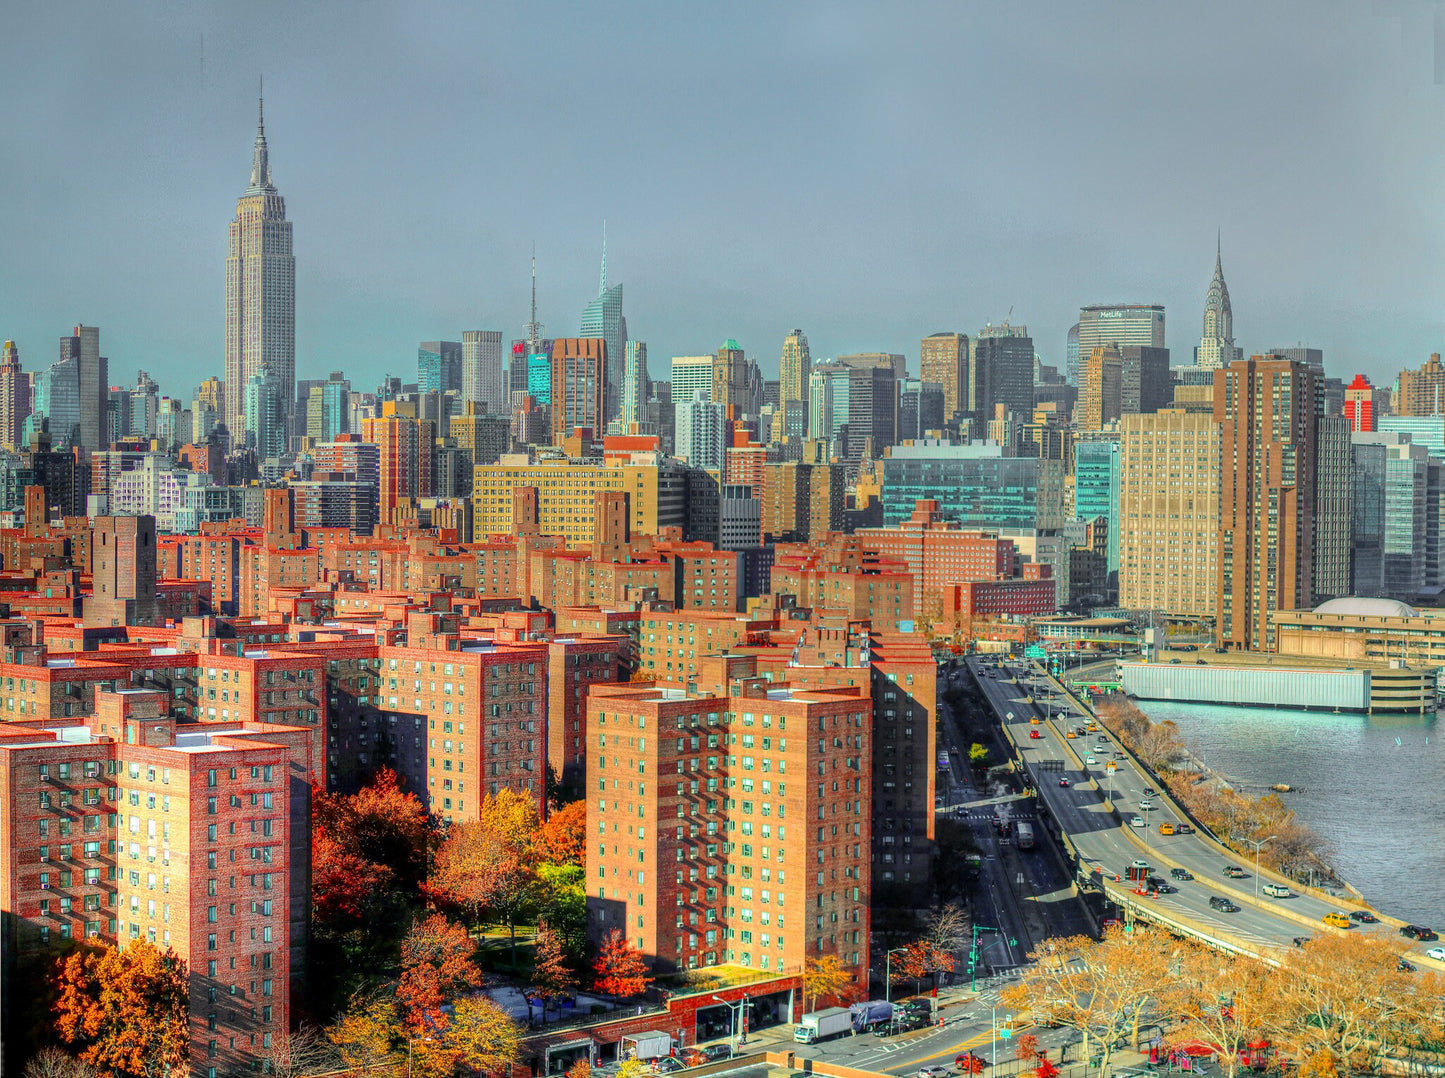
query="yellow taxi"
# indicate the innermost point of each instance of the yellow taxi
(1091, 726)
(1336, 919)
(1034, 720)
(1166, 829)
(1070, 734)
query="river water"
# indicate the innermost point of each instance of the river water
(1372, 786)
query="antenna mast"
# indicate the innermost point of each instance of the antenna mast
(534, 328)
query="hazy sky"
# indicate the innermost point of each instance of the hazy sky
(869, 172)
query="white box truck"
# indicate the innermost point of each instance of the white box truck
(653, 1044)
(820, 1025)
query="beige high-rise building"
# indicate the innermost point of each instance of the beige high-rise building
(1422, 392)
(1101, 394)
(14, 398)
(1170, 482)
(1268, 526)
(260, 292)
(943, 358)
(793, 371)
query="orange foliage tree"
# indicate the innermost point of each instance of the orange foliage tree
(563, 836)
(436, 963)
(825, 977)
(552, 977)
(126, 1011)
(620, 969)
(488, 865)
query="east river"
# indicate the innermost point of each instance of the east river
(1372, 786)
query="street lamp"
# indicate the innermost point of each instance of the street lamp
(887, 974)
(734, 1019)
(1257, 844)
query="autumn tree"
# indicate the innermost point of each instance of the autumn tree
(581, 1069)
(437, 963)
(563, 836)
(1026, 1048)
(126, 1011)
(620, 969)
(482, 1036)
(1222, 999)
(1345, 995)
(825, 977)
(921, 959)
(488, 865)
(552, 977)
(368, 855)
(383, 823)
(1099, 988)
(366, 1033)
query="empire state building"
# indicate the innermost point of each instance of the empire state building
(260, 292)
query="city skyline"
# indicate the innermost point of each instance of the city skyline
(733, 252)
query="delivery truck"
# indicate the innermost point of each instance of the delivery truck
(652, 1044)
(820, 1025)
(867, 1015)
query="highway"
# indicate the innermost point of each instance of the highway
(1029, 895)
(1106, 844)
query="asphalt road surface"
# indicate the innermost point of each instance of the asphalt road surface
(1108, 843)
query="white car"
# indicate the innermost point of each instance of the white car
(1136, 821)
(1146, 805)
(1276, 890)
(1437, 953)
(1090, 760)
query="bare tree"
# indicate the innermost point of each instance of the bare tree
(51, 1062)
(949, 928)
(306, 1051)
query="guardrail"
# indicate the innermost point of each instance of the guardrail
(1125, 898)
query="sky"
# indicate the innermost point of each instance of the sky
(870, 173)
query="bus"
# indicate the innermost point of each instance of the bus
(943, 763)
(1025, 835)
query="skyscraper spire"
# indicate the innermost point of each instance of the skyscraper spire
(602, 287)
(260, 159)
(1216, 346)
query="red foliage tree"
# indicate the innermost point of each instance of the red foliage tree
(382, 823)
(620, 969)
(125, 1010)
(437, 962)
(342, 881)
(563, 836)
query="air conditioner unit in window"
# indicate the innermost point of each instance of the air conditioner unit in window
(45, 886)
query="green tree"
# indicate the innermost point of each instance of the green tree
(562, 903)
(978, 755)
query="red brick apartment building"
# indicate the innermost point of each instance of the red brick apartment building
(125, 826)
(733, 828)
